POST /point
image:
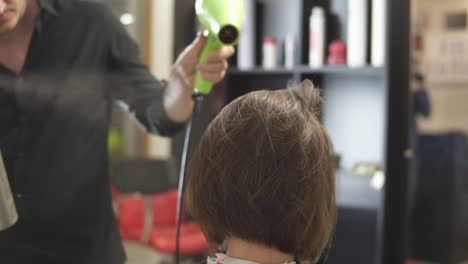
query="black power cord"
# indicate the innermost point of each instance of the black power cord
(197, 99)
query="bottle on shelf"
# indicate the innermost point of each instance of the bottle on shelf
(289, 51)
(337, 53)
(270, 52)
(317, 38)
(378, 32)
(357, 33)
(246, 48)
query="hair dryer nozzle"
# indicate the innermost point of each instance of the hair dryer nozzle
(222, 20)
(228, 35)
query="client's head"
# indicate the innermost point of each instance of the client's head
(264, 173)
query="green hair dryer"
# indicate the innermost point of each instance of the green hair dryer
(222, 21)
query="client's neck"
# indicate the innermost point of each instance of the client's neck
(241, 249)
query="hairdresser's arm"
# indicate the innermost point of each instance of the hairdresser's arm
(135, 88)
(162, 107)
(178, 98)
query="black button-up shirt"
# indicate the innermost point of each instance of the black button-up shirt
(54, 120)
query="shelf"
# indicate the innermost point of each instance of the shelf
(306, 70)
(354, 191)
(367, 70)
(261, 71)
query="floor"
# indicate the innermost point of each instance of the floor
(140, 254)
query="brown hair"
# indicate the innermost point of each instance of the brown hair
(265, 172)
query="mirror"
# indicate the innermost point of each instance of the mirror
(438, 182)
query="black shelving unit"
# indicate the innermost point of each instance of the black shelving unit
(365, 111)
(361, 116)
(302, 70)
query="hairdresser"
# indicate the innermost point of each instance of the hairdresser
(63, 63)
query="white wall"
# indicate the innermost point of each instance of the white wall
(449, 101)
(162, 36)
(162, 50)
(355, 117)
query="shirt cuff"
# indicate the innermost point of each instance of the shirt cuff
(158, 120)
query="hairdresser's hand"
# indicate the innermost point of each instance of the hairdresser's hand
(178, 100)
(2, 7)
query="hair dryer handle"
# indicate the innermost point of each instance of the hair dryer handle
(203, 86)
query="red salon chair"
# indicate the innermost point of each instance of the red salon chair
(149, 216)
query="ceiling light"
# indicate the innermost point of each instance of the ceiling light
(127, 19)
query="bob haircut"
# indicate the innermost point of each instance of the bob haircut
(264, 172)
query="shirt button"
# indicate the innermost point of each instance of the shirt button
(19, 195)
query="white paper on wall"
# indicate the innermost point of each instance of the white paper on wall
(447, 57)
